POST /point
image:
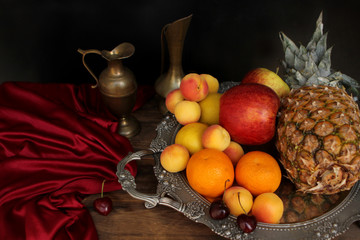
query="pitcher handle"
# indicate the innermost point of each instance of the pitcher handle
(84, 52)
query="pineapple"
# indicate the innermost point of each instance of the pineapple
(318, 135)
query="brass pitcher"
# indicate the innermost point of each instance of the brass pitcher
(174, 33)
(117, 85)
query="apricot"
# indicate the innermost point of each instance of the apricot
(173, 98)
(187, 112)
(212, 82)
(193, 87)
(268, 208)
(174, 158)
(216, 137)
(234, 152)
(238, 199)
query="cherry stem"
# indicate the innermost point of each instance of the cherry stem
(241, 204)
(228, 180)
(102, 188)
(277, 70)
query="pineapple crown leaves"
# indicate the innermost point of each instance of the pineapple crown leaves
(311, 65)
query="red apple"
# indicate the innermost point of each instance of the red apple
(248, 112)
(269, 78)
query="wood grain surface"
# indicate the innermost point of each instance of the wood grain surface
(130, 220)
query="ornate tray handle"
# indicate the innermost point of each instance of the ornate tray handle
(128, 184)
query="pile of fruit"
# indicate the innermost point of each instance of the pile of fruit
(237, 183)
(310, 115)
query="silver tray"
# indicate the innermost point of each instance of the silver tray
(174, 191)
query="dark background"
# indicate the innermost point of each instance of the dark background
(39, 39)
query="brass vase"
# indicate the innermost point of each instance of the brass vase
(118, 87)
(174, 33)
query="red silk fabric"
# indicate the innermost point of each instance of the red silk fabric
(57, 144)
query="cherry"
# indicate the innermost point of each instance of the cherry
(218, 209)
(245, 222)
(103, 205)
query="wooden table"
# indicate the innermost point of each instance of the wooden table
(130, 220)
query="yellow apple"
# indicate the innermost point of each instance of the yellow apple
(269, 78)
(210, 108)
(190, 136)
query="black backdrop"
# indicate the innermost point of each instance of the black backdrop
(39, 39)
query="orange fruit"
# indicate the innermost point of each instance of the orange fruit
(258, 172)
(208, 170)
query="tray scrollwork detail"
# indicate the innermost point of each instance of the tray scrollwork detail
(174, 191)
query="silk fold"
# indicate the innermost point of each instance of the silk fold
(58, 142)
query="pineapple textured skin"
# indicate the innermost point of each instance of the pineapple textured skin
(318, 138)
